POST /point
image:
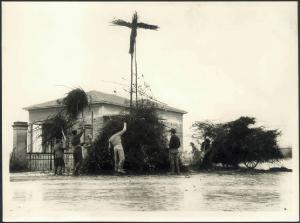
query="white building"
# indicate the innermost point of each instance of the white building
(102, 106)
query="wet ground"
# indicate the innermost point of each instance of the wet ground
(42, 194)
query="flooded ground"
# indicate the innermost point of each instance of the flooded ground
(38, 194)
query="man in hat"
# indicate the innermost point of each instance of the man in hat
(173, 152)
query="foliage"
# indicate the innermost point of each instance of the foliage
(72, 105)
(75, 102)
(52, 127)
(235, 142)
(144, 142)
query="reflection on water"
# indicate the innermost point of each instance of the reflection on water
(244, 193)
(113, 193)
(214, 191)
(199, 192)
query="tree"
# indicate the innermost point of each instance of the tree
(239, 142)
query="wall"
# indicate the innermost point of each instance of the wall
(112, 110)
(42, 114)
(100, 110)
(173, 120)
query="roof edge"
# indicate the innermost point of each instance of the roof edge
(104, 102)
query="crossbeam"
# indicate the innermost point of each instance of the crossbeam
(134, 25)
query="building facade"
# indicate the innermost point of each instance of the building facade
(102, 106)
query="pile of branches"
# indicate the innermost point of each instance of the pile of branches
(54, 127)
(144, 142)
(236, 142)
(73, 104)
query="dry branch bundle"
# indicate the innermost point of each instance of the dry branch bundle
(75, 102)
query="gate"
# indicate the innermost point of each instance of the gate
(45, 161)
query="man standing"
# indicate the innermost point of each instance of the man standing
(77, 152)
(173, 152)
(58, 157)
(208, 154)
(87, 146)
(116, 142)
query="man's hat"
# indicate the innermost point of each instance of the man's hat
(172, 130)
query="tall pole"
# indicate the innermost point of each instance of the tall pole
(136, 74)
(131, 81)
(92, 116)
(134, 25)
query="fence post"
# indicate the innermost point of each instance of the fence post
(50, 158)
(30, 161)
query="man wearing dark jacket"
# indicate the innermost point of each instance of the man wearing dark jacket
(173, 152)
(77, 152)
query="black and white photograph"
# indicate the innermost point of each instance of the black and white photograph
(150, 111)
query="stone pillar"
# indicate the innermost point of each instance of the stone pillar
(30, 138)
(20, 145)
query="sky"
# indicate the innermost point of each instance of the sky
(216, 60)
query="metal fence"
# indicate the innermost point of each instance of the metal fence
(45, 161)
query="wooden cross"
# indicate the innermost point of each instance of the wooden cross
(134, 25)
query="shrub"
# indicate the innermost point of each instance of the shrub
(235, 142)
(144, 142)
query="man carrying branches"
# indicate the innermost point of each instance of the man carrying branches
(77, 152)
(116, 142)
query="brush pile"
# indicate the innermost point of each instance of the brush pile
(53, 128)
(144, 142)
(75, 102)
(72, 105)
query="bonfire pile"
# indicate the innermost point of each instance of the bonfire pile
(73, 104)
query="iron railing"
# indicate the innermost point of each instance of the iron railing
(45, 161)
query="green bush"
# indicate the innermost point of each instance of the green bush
(144, 142)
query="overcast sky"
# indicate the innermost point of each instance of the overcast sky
(218, 61)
